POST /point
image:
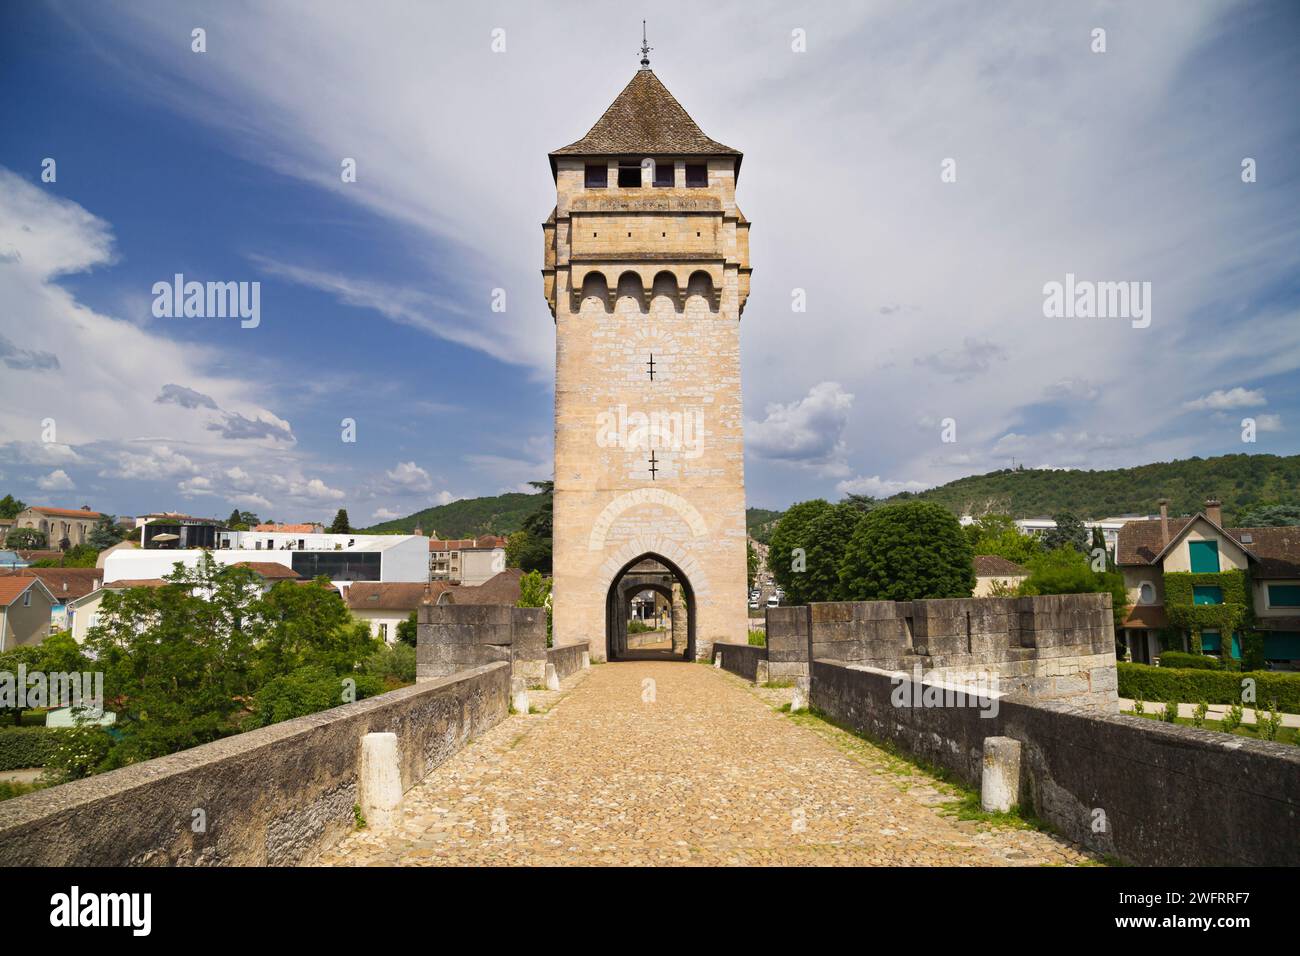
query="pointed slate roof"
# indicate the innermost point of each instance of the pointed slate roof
(643, 120)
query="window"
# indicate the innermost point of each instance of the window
(665, 172)
(1204, 556)
(383, 632)
(597, 176)
(27, 598)
(697, 174)
(1207, 594)
(629, 174)
(1284, 595)
(1146, 593)
(1211, 642)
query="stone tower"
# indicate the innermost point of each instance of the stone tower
(647, 273)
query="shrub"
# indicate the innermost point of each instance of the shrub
(1215, 687)
(1196, 661)
(1199, 715)
(758, 638)
(1170, 714)
(308, 690)
(907, 552)
(1232, 719)
(1268, 726)
(79, 752)
(22, 747)
(394, 664)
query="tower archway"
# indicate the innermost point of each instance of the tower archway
(650, 572)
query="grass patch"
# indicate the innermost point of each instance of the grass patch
(358, 817)
(8, 789)
(779, 684)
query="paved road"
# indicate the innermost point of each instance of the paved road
(657, 762)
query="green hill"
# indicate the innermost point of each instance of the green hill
(1239, 481)
(467, 518)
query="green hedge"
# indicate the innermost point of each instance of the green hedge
(22, 747)
(1188, 685)
(1201, 662)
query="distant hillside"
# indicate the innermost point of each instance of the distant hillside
(467, 518)
(1239, 481)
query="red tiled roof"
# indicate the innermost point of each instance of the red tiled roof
(123, 583)
(987, 565)
(1277, 550)
(66, 512)
(450, 544)
(390, 595)
(66, 584)
(12, 586)
(269, 569)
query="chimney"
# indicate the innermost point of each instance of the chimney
(1164, 522)
(1214, 510)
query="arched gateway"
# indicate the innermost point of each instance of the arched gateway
(647, 273)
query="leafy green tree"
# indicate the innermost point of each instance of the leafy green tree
(340, 524)
(828, 535)
(1068, 533)
(860, 503)
(408, 629)
(787, 551)
(1266, 516)
(534, 551)
(11, 507)
(906, 552)
(751, 562)
(308, 624)
(535, 591)
(306, 690)
(26, 539)
(997, 534)
(57, 654)
(1066, 571)
(106, 533)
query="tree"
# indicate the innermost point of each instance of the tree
(11, 507)
(408, 629)
(340, 524)
(1266, 516)
(860, 503)
(57, 654)
(787, 552)
(997, 534)
(1068, 533)
(535, 591)
(26, 539)
(828, 534)
(751, 562)
(241, 520)
(907, 552)
(106, 533)
(530, 548)
(1066, 571)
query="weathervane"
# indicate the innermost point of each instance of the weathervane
(645, 50)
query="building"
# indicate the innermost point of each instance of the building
(466, 560)
(63, 527)
(5, 525)
(305, 528)
(178, 532)
(1194, 584)
(386, 605)
(65, 585)
(342, 558)
(1037, 527)
(646, 273)
(25, 605)
(994, 573)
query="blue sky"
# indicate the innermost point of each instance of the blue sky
(924, 297)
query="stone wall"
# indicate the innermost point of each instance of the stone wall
(275, 796)
(740, 659)
(453, 637)
(1055, 647)
(568, 659)
(1149, 793)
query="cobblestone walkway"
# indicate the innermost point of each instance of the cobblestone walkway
(659, 763)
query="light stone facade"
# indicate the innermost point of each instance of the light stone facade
(633, 273)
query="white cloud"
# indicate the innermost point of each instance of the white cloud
(198, 485)
(410, 476)
(316, 490)
(877, 487)
(249, 501)
(1220, 400)
(806, 432)
(385, 514)
(1268, 423)
(56, 480)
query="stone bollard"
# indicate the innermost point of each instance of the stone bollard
(799, 701)
(762, 673)
(519, 695)
(586, 660)
(552, 677)
(1000, 785)
(379, 787)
